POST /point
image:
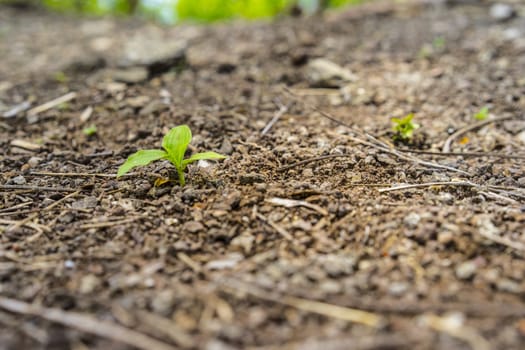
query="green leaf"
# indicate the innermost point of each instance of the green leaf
(175, 143)
(141, 158)
(202, 156)
(482, 114)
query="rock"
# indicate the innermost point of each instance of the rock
(132, 75)
(509, 286)
(502, 12)
(226, 147)
(445, 237)
(153, 51)
(466, 270)
(34, 161)
(521, 137)
(19, 180)
(324, 73)
(88, 284)
(163, 302)
(193, 226)
(337, 265)
(411, 220)
(397, 289)
(330, 287)
(85, 203)
(153, 107)
(251, 178)
(244, 242)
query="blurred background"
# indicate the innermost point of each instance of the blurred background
(173, 11)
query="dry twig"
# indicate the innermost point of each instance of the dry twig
(86, 323)
(53, 103)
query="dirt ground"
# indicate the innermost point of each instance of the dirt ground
(308, 236)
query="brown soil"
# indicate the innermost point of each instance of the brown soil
(239, 257)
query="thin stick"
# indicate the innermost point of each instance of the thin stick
(53, 103)
(44, 173)
(25, 221)
(448, 142)
(282, 110)
(36, 188)
(86, 323)
(108, 223)
(290, 203)
(325, 309)
(276, 227)
(463, 154)
(428, 184)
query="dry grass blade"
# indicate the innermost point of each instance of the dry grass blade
(428, 184)
(290, 203)
(36, 188)
(86, 323)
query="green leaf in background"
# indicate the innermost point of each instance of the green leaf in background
(482, 114)
(176, 142)
(141, 158)
(202, 156)
(171, 11)
(90, 130)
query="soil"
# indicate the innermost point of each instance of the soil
(290, 240)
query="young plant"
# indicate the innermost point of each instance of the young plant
(404, 127)
(482, 114)
(175, 143)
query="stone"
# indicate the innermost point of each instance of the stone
(324, 73)
(466, 270)
(411, 220)
(501, 12)
(193, 226)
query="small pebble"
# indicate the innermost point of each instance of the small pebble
(193, 226)
(397, 289)
(466, 270)
(411, 220)
(501, 12)
(19, 180)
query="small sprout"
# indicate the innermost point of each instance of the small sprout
(404, 127)
(439, 43)
(61, 77)
(482, 114)
(90, 130)
(175, 143)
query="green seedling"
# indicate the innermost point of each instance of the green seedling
(482, 114)
(89, 130)
(439, 43)
(175, 143)
(404, 127)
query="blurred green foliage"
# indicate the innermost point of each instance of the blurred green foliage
(171, 11)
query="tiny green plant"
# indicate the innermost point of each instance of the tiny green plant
(482, 114)
(89, 130)
(404, 127)
(175, 143)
